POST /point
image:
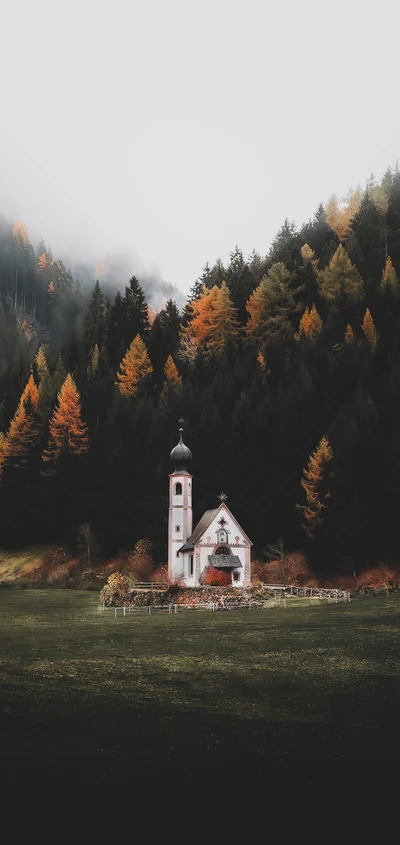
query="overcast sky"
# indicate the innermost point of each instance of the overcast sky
(180, 129)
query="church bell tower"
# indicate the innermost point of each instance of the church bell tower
(180, 507)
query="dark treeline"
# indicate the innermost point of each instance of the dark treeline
(275, 360)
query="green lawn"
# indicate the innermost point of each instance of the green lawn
(91, 698)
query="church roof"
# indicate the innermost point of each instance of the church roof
(224, 561)
(201, 527)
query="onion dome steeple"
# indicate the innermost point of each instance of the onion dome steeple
(180, 454)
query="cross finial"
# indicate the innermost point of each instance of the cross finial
(222, 497)
(181, 424)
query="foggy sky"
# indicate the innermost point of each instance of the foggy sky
(180, 129)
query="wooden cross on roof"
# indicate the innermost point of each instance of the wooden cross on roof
(222, 497)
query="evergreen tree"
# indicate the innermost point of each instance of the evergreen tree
(134, 368)
(95, 320)
(135, 312)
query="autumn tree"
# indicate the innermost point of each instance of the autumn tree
(40, 363)
(68, 433)
(270, 304)
(315, 483)
(349, 334)
(223, 327)
(172, 377)
(134, 368)
(310, 323)
(369, 330)
(339, 215)
(341, 280)
(201, 311)
(23, 433)
(389, 279)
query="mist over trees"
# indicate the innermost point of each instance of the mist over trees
(286, 368)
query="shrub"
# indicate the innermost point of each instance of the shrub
(216, 577)
(140, 561)
(378, 577)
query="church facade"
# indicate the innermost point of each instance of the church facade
(218, 540)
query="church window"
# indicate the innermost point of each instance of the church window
(236, 576)
(222, 550)
(222, 536)
(191, 565)
(177, 528)
(177, 554)
(178, 489)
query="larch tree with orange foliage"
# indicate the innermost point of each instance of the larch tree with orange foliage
(341, 280)
(68, 433)
(310, 323)
(23, 434)
(134, 368)
(270, 304)
(389, 280)
(369, 330)
(349, 334)
(223, 327)
(172, 377)
(315, 483)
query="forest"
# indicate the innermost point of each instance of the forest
(284, 366)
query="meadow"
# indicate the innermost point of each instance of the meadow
(87, 698)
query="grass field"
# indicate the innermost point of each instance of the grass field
(89, 698)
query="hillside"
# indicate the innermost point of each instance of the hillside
(286, 368)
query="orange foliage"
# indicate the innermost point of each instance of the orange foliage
(310, 323)
(51, 288)
(349, 334)
(172, 377)
(313, 484)
(135, 366)
(216, 577)
(378, 577)
(67, 431)
(24, 431)
(292, 568)
(369, 330)
(42, 261)
(140, 561)
(389, 276)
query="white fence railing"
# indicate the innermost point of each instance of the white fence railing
(309, 592)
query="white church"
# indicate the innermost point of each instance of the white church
(217, 541)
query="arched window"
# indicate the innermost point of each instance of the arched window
(222, 550)
(178, 489)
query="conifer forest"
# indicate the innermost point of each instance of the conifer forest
(284, 366)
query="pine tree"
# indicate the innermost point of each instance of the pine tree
(315, 486)
(94, 358)
(369, 330)
(135, 312)
(310, 323)
(134, 368)
(172, 377)
(341, 280)
(389, 279)
(24, 428)
(349, 334)
(223, 327)
(95, 319)
(68, 433)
